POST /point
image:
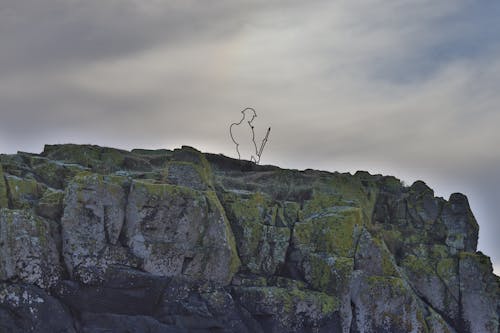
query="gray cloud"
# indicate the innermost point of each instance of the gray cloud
(58, 33)
(405, 88)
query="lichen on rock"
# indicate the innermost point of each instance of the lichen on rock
(96, 239)
(4, 199)
(262, 235)
(177, 230)
(28, 252)
(93, 218)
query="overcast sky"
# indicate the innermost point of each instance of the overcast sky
(407, 88)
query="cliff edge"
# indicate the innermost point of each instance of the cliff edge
(97, 239)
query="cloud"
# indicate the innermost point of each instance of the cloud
(60, 33)
(405, 87)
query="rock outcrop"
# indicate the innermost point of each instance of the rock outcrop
(96, 239)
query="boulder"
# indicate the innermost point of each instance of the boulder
(462, 228)
(290, 309)
(478, 292)
(177, 231)
(24, 192)
(4, 199)
(25, 308)
(93, 218)
(384, 304)
(123, 290)
(110, 322)
(28, 251)
(96, 239)
(261, 232)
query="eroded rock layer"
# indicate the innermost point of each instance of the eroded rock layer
(96, 239)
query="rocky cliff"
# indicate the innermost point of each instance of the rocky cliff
(96, 239)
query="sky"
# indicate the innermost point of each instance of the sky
(406, 88)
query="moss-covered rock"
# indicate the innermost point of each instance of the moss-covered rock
(433, 274)
(24, 192)
(436, 323)
(93, 218)
(177, 231)
(462, 228)
(212, 243)
(422, 205)
(373, 257)
(4, 199)
(79, 154)
(56, 174)
(329, 230)
(50, 204)
(478, 292)
(98, 159)
(28, 309)
(28, 252)
(189, 175)
(385, 304)
(14, 165)
(290, 309)
(262, 236)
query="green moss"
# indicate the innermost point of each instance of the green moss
(328, 304)
(235, 262)
(54, 174)
(358, 191)
(24, 192)
(149, 152)
(421, 320)
(99, 159)
(206, 171)
(418, 266)
(193, 175)
(291, 213)
(447, 268)
(51, 173)
(113, 184)
(51, 197)
(320, 202)
(478, 259)
(4, 200)
(24, 219)
(439, 251)
(249, 212)
(391, 184)
(112, 159)
(163, 190)
(321, 274)
(380, 285)
(329, 274)
(191, 155)
(436, 323)
(252, 281)
(285, 300)
(51, 204)
(283, 282)
(388, 264)
(393, 239)
(85, 155)
(253, 209)
(41, 231)
(262, 236)
(331, 232)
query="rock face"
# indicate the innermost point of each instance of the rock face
(96, 239)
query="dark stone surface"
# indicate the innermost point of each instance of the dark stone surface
(123, 291)
(115, 323)
(29, 309)
(101, 240)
